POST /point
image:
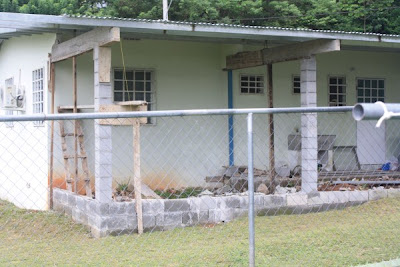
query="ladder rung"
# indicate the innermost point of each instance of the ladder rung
(71, 157)
(71, 134)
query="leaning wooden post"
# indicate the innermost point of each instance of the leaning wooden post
(271, 129)
(51, 171)
(75, 125)
(137, 183)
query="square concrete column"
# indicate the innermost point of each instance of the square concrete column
(309, 131)
(102, 133)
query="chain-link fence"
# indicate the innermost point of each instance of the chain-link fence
(181, 188)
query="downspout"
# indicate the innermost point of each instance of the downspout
(230, 119)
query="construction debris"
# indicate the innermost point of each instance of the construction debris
(262, 188)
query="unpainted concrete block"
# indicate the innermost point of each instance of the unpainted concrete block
(207, 203)
(149, 221)
(153, 206)
(79, 216)
(94, 206)
(130, 208)
(81, 204)
(394, 192)
(68, 210)
(244, 202)
(174, 205)
(71, 200)
(332, 197)
(117, 223)
(226, 215)
(57, 194)
(275, 200)
(190, 218)
(194, 204)
(97, 221)
(131, 221)
(297, 199)
(204, 216)
(57, 206)
(116, 208)
(232, 202)
(259, 200)
(173, 219)
(62, 196)
(377, 194)
(358, 196)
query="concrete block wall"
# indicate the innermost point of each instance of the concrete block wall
(115, 218)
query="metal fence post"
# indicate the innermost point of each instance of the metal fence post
(251, 188)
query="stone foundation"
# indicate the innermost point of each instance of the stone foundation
(117, 218)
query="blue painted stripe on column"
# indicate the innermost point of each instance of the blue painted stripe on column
(230, 119)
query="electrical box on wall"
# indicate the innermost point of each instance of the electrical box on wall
(13, 97)
(9, 97)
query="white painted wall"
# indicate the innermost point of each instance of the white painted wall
(23, 149)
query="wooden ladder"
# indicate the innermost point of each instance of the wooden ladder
(81, 154)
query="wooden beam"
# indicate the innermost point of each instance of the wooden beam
(137, 181)
(244, 60)
(281, 53)
(299, 50)
(74, 88)
(51, 171)
(101, 36)
(272, 172)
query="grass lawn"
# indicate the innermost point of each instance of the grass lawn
(356, 235)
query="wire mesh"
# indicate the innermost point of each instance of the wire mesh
(326, 190)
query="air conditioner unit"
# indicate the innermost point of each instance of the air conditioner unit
(9, 97)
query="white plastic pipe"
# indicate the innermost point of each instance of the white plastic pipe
(374, 111)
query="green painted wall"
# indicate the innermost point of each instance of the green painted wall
(190, 75)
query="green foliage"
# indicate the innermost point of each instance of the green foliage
(346, 15)
(175, 194)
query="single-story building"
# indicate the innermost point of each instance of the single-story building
(183, 65)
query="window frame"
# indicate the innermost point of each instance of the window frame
(378, 97)
(38, 92)
(256, 87)
(153, 103)
(337, 94)
(292, 89)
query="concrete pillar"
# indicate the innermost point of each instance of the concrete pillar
(102, 133)
(309, 133)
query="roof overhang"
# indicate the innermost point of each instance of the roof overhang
(16, 24)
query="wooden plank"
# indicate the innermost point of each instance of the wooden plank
(125, 107)
(70, 108)
(84, 161)
(65, 151)
(148, 193)
(243, 60)
(100, 36)
(73, 156)
(104, 58)
(51, 166)
(137, 183)
(299, 50)
(271, 130)
(281, 53)
(74, 89)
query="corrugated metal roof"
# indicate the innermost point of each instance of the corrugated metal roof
(16, 24)
(230, 25)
